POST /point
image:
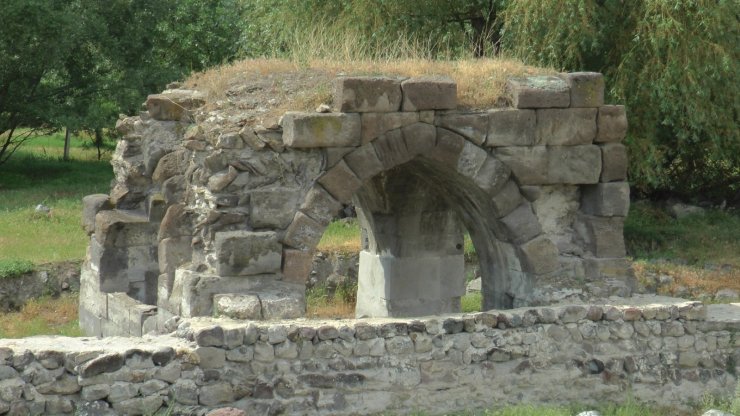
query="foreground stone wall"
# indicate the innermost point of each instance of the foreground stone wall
(668, 354)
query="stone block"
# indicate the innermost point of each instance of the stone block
(172, 253)
(155, 207)
(334, 155)
(138, 315)
(586, 89)
(169, 165)
(602, 236)
(297, 265)
(538, 92)
(273, 208)
(574, 165)
(238, 306)
(286, 303)
(492, 175)
(375, 124)
(419, 138)
(471, 159)
(367, 94)
(177, 222)
(124, 229)
(511, 127)
(598, 269)
(303, 233)
(522, 224)
(173, 105)
(320, 205)
(473, 126)
(429, 93)
(448, 148)
(218, 181)
(528, 164)
(612, 123)
(613, 162)
(308, 130)
(91, 205)
(539, 256)
(244, 253)
(569, 126)
(506, 199)
(364, 162)
(340, 182)
(391, 149)
(606, 199)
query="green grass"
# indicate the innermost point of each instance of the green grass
(36, 175)
(14, 267)
(341, 235)
(471, 302)
(43, 316)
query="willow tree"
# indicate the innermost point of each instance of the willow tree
(674, 63)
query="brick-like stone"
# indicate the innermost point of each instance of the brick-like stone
(613, 162)
(612, 123)
(569, 126)
(340, 182)
(244, 253)
(429, 93)
(364, 162)
(273, 208)
(320, 205)
(606, 199)
(602, 236)
(367, 94)
(528, 164)
(573, 165)
(308, 130)
(473, 126)
(539, 255)
(506, 199)
(303, 233)
(511, 127)
(586, 89)
(91, 205)
(376, 124)
(521, 224)
(539, 92)
(297, 265)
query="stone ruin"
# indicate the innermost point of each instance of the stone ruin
(209, 216)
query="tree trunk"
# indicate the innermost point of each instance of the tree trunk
(99, 142)
(66, 145)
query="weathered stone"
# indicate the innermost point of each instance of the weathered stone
(222, 179)
(492, 175)
(602, 236)
(123, 229)
(521, 224)
(210, 357)
(185, 392)
(571, 126)
(574, 165)
(272, 208)
(539, 255)
(303, 233)
(429, 93)
(320, 205)
(103, 364)
(227, 411)
(95, 392)
(471, 159)
(297, 265)
(247, 253)
(364, 162)
(238, 306)
(613, 162)
(376, 124)
(91, 205)
(341, 182)
(173, 104)
(287, 304)
(528, 164)
(511, 127)
(606, 199)
(598, 269)
(448, 148)
(612, 123)
(139, 405)
(210, 337)
(120, 391)
(229, 140)
(473, 126)
(308, 130)
(419, 138)
(539, 92)
(169, 165)
(586, 89)
(506, 199)
(177, 222)
(367, 94)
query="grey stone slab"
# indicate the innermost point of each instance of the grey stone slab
(586, 89)
(367, 94)
(304, 232)
(419, 138)
(391, 149)
(539, 256)
(601, 236)
(606, 199)
(91, 205)
(297, 265)
(320, 205)
(340, 182)
(448, 148)
(376, 124)
(511, 127)
(238, 306)
(528, 164)
(471, 159)
(309, 130)
(334, 155)
(364, 162)
(244, 253)
(169, 165)
(614, 162)
(612, 123)
(492, 175)
(123, 229)
(522, 224)
(539, 92)
(569, 126)
(573, 165)
(506, 199)
(273, 208)
(473, 126)
(429, 93)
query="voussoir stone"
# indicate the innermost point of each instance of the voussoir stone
(308, 130)
(320, 205)
(341, 182)
(429, 93)
(473, 126)
(367, 94)
(539, 92)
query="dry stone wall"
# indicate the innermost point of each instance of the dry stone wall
(211, 215)
(664, 353)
